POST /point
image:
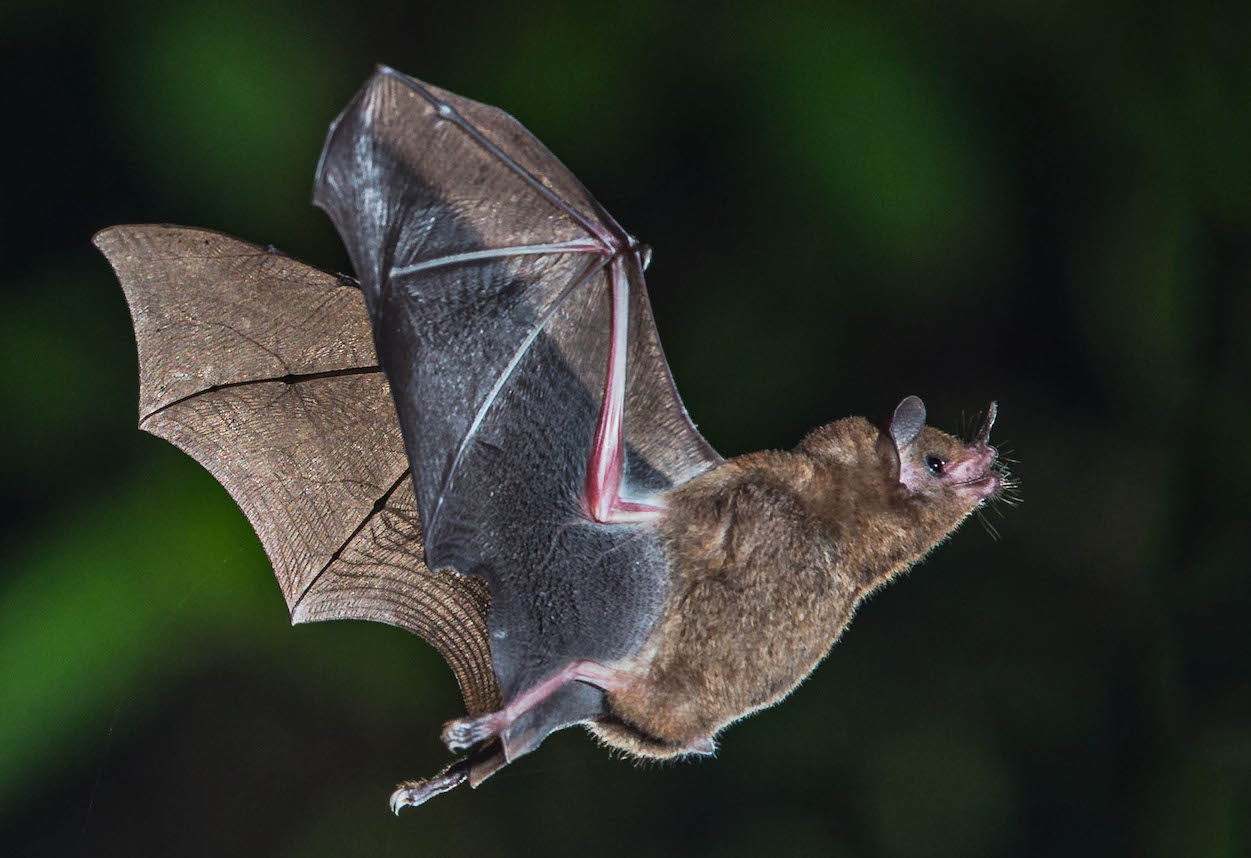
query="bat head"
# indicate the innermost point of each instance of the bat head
(892, 493)
(936, 467)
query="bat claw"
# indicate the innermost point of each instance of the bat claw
(463, 733)
(409, 794)
(413, 793)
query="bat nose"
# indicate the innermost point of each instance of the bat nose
(982, 454)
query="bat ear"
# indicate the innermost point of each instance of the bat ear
(907, 422)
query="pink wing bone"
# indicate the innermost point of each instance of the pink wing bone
(606, 468)
(604, 501)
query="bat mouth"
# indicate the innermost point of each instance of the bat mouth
(982, 459)
(985, 473)
(990, 482)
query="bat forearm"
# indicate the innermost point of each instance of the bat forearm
(606, 467)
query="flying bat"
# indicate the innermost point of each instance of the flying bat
(478, 439)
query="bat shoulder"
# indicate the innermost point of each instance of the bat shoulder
(748, 500)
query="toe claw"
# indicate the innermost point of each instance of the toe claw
(413, 793)
(463, 733)
(400, 799)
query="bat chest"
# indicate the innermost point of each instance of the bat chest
(743, 624)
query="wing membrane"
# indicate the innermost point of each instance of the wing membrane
(486, 270)
(455, 214)
(263, 370)
(380, 575)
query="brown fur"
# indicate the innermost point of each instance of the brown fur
(770, 553)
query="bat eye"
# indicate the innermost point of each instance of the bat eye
(935, 464)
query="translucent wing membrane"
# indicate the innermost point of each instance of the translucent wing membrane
(487, 270)
(263, 370)
(657, 429)
(453, 212)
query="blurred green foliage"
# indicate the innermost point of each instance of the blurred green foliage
(1044, 203)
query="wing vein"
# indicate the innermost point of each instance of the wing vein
(447, 111)
(573, 246)
(378, 506)
(591, 269)
(289, 378)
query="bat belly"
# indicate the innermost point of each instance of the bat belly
(755, 602)
(702, 679)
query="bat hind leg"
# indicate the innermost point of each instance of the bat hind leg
(413, 793)
(472, 769)
(464, 733)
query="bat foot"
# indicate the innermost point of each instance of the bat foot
(463, 733)
(413, 793)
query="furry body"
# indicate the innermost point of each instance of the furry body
(769, 555)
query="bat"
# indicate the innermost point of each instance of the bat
(478, 439)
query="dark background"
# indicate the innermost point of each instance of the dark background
(1042, 203)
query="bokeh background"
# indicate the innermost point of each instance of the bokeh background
(1048, 204)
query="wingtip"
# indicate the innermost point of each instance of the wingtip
(98, 238)
(104, 237)
(363, 96)
(385, 72)
(107, 235)
(381, 72)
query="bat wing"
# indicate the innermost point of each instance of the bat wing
(489, 274)
(263, 370)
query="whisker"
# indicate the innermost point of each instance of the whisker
(990, 528)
